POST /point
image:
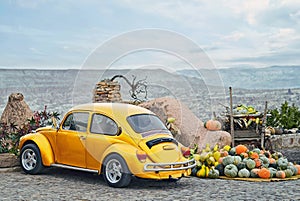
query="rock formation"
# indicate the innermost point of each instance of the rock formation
(192, 129)
(16, 110)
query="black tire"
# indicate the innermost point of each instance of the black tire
(31, 160)
(115, 171)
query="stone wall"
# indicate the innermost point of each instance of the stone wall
(288, 144)
(107, 91)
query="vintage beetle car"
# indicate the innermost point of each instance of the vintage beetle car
(118, 140)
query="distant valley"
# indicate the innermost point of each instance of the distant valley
(61, 89)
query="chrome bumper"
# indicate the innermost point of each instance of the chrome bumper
(170, 166)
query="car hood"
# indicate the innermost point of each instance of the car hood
(161, 148)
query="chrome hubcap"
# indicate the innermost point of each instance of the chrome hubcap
(113, 171)
(29, 159)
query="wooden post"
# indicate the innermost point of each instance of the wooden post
(231, 117)
(264, 126)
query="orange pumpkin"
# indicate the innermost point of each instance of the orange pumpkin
(254, 155)
(272, 160)
(280, 174)
(298, 168)
(244, 155)
(212, 125)
(240, 149)
(257, 162)
(264, 173)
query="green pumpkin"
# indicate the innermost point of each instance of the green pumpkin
(257, 150)
(220, 167)
(293, 168)
(273, 172)
(237, 159)
(282, 163)
(254, 173)
(241, 165)
(232, 151)
(227, 160)
(250, 164)
(213, 174)
(194, 171)
(230, 170)
(244, 173)
(288, 173)
(264, 161)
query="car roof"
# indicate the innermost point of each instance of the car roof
(112, 108)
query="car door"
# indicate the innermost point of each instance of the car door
(71, 140)
(102, 134)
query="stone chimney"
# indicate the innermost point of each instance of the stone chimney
(107, 91)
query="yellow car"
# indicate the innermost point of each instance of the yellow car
(118, 140)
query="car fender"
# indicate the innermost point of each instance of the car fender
(42, 143)
(128, 153)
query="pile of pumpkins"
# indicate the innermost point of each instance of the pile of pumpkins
(241, 162)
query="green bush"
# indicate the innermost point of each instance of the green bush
(286, 117)
(10, 134)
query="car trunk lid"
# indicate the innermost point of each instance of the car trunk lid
(162, 149)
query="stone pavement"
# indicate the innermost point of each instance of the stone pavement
(62, 184)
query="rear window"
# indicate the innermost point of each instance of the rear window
(142, 123)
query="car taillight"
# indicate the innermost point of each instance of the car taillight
(141, 155)
(186, 152)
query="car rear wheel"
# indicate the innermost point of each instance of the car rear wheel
(115, 171)
(31, 160)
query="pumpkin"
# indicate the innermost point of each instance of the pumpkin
(230, 170)
(224, 153)
(264, 173)
(220, 168)
(254, 172)
(267, 154)
(277, 155)
(244, 173)
(241, 165)
(250, 164)
(232, 151)
(264, 161)
(212, 125)
(213, 173)
(194, 171)
(257, 162)
(256, 150)
(293, 168)
(240, 149)
(228, 160)
(282, 163)
(254, 155)
(237, 159)
(244, 155)
(288, 173)
(273, 172)
(280, 174)
(298, 168)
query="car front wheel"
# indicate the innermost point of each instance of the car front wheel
(115, 171)
(31, 160)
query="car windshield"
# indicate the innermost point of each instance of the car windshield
(142, 123)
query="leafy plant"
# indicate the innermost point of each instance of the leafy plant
(10, 134)
(286, 117)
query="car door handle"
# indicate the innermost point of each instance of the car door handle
(82, 137)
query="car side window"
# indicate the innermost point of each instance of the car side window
(103, 125)
(76, 121)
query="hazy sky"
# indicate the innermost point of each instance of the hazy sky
(233, 33)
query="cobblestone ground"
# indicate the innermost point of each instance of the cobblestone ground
(62, 184)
